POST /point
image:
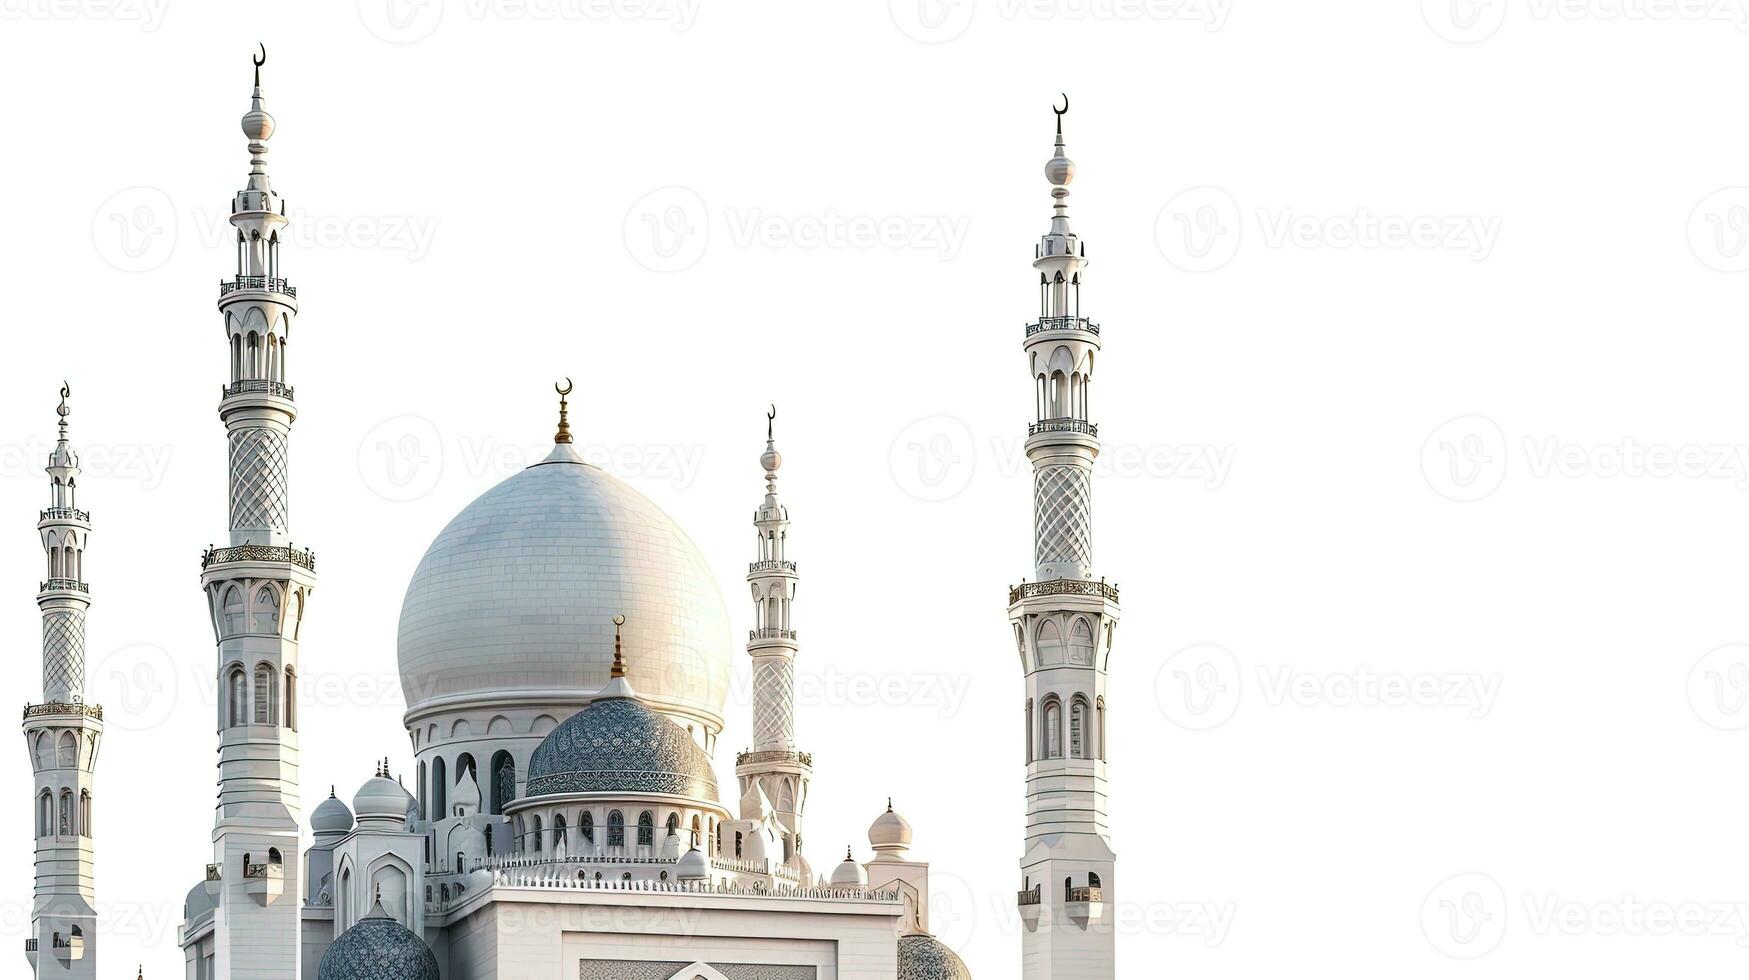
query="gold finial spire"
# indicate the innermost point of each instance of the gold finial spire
(563, 436)
(619, 660)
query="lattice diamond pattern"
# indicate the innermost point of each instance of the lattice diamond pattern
(1063, 515)
(260, 482)
(774, 723)
(63, 655)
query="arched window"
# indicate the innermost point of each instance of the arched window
(45, 815)
(273, 857)
(674, 825)
(266, 700)
(719, 849)
(424, 793)
(237, 697)
(1078, 728)
(233, 611)
(1099, 730)
(1050, 644)
(67, 753)
(266, 610)
(559, 838)
(696, 826)
(1029, 730)
(646, 830)
(84, 813)
(503, 780)
(291, 699)
(1081, 643)
(66, 813)
(616, 829)
(439, 789)
(587, 826)
(537, 835)
(44, 753)
(1053, 733)
(1092, 880)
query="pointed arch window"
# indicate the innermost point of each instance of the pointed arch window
(291, 699)
(66, 813)
(560, 838)
(1053, 733)
(236, 698)
(1050, 644)
(45, 815)
(588, 826)
(1081, 643)
(616, 829)
(84, 813)
(1078, 728)
(439, 789)
(537, 835)
(266, 610)
(503, 780)
(266, 694)
(646, 830)
(233, 611)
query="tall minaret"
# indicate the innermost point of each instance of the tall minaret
(257, 589)
(1063, 622)
(774, 763)
(62, 734)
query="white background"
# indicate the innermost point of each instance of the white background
(1319, 232)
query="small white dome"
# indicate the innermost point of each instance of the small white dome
(693, 866)
(889, 834)
(849, 874)
(331, 816)
(381, 799)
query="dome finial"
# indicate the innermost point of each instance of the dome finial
(259, 60)
(770, 417)
(563, 436)
(619, 660)
(1061, 113)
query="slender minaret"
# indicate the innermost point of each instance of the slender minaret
(257, 589)
(62, 734)
(1063, 622)
(774, 763)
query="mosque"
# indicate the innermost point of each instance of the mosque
(565, 654)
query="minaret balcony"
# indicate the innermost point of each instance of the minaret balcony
(778, 756)
(257, 386)
(1077, 426)
(1062, 586)
(775, 565)
(264, 883)
(265, 284)
(1057, 323)
(1031, 903)
(300, 557)
(1085, 904)
(56, 708)
(64, 515)
(64, 585)
(771, 633)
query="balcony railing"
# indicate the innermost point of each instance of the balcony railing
(770, 633)
(30, 945)
(65, 514)
(771, 566)
(63, 708)
(1032, 896)
(1089, 895)
(775, 755)
(269, 284)
(258, 552)
(215, 872)
(265, 871)
(1064, 425)
(257, 386)
(1063, 323)
(1062, 586)
(64, 585)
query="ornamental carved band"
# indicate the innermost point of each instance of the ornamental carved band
(1062, 508)
(260, 486)
(63, 655)
(676, 970)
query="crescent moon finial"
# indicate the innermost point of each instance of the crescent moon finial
(259, 60)
(770, 417)
(1060, 112)
(566, 390)
(563, 436)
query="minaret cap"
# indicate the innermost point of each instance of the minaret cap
(257, 124)
(1060, 170)
(617, 685)
(771, 459)
(563, 436)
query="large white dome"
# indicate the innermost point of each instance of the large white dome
(517, 597)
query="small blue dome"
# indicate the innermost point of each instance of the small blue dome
(378, 948)
(619, 746)
(927, 958)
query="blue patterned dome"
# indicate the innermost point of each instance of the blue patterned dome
(927, 958)
(378, 948)
(617, 745)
